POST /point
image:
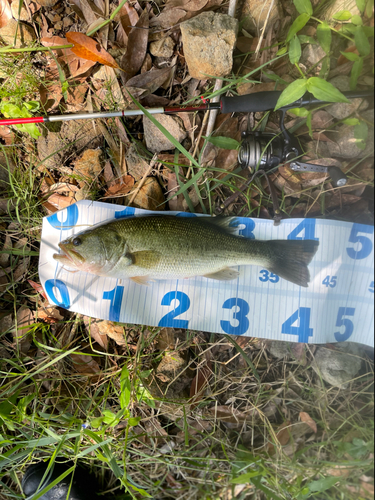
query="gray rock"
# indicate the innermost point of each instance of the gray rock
(311, 55)
(341, 110)
(208, 40)
(156, 140)
(254, 15)
(279, 349)
(339, 5)
(162, 48)
(339, 367)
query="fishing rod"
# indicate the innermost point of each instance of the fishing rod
(260, 101)
(258, 150)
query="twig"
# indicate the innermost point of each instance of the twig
(143, 180)
(264, 30)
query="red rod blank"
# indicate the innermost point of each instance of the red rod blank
(21, 121)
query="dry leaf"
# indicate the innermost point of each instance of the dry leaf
(59, 201)
(85, 364)
(200, 382)
(168, 18)
(284, 433)
(340, 471)
(128, 18)
(38, 287)
(231, 415)
(115, 332)
(149, 81)
(120, 186)
(90, 49)
(133, 58)
(24, 319)
(5, 13)
(92, 326)
(305, 417)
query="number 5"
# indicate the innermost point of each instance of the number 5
(366, 243)
(348, 323)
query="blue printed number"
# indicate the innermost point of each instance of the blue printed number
(267, 276)
(371, 288)
(50, 285)
(240, 316)
(69, 222)
(308, 226)
(366, 243)
(127, 212)
(247, 231)
(348, 323)
(303, 331)
(169, 320)
(330, 281)
(115, 296)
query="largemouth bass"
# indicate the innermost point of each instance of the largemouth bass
(158, 247)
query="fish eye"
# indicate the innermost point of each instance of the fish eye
(76, 242)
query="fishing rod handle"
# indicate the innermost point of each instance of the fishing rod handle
(266, 101)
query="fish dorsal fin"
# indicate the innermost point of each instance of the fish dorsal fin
(225, 274)
(141, 280)
(147, 259)
(227, 224)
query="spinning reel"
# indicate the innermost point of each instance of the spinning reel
(266, 151)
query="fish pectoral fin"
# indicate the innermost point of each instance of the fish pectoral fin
(225, 274)
(141, 280)
(146, 259)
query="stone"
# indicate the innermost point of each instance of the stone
(162, 48)
(208, 41)
(338, 367)
(345, 142)
(24, 16)
(155, 139)
(279, 349)
(341, 110)
(150, 196)
(136, 165)
(25, 34)
(171, 365)
(338, 5)
(57, 145)
(311, 55)
(254, 15)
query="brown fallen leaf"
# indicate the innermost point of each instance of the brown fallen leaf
(284, 433)
(92, 326)
(128, 17)
(5, 13)
(48, 314)
(305, 417)
(150, 81)
(38, 287)
(90, 49)
(119, 187)
(85, 364)
(200, 382)
(133, 58)
(168, 18)
(59, 201)
(21, 335)
(7, 135)
(115, 332)
(342, 59)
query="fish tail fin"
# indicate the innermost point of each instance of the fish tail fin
(291, 258)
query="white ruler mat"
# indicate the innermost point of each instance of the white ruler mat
(337, 306)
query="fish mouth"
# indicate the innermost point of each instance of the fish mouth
(69, 256)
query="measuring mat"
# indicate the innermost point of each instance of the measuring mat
(337, 306)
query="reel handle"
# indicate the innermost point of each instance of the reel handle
(266, 101)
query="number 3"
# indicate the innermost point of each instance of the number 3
(240, 316)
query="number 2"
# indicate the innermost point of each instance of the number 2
(169, 320)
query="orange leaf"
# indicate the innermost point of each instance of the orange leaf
(38, 287)
(5, 13)
(305, 417)
(90, 49)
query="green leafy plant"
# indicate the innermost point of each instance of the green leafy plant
(11, 110)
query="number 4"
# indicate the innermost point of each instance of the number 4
(303, 330)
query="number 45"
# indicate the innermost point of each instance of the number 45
(330, 281)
